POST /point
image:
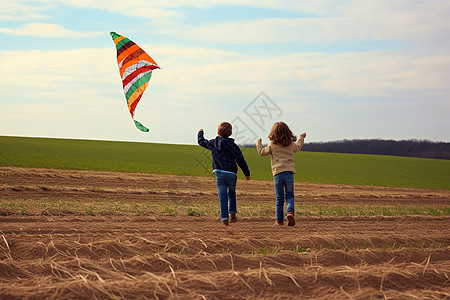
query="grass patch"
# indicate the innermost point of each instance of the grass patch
(434, 212)
(167, 211)
(340, 211)
(300, 249)
(269, 250)
(24, 206)
(89, 211)
(438, 246)
(392, 246)
(193, 213)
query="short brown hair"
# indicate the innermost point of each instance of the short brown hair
(224, 129)
(281, 134)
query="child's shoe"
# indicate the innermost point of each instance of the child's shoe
(233, 218)
(281, 223)
(291, 219)
(224, 222)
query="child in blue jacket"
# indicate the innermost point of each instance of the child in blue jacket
(225, 155)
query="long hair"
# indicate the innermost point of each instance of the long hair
(281, 134)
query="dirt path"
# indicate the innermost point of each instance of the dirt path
(128, 256)
(44, 183)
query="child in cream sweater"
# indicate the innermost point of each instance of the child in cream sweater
(282, 147)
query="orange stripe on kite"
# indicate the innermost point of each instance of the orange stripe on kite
(143, 56)
(118, 39)
(136, 94)
(127, 52)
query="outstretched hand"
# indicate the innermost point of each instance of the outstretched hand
(259, 140)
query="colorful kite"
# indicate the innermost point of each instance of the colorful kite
(135, 68)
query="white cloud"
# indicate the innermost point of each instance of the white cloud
(163, 7)
(375, 74)
(81, 90)
(271, 30)
(343, 21)
(416, 21)
(47, 30)
(17, 11)
(349, 21)
(419, 23)
(137, 8)
(199, 73)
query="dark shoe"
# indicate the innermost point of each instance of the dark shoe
(233, 218)
(281, 223)
(224, 222)
(291, 219)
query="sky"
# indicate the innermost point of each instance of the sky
(348, 69)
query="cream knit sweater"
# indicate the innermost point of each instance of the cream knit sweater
(281, 158)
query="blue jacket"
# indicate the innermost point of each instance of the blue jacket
(225, 154)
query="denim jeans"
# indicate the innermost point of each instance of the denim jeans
(284, 188)
(226, 187)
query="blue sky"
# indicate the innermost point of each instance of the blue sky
(334, 69)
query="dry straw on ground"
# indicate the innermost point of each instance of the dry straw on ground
(127, 254)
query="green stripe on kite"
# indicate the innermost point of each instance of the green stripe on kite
(122, 43)
(136, 85)
(114, 35)
(140, 126)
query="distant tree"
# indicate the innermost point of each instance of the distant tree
(410, 148)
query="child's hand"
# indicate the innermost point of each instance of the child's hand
(259, 140)
(303, 135)
(247, 178)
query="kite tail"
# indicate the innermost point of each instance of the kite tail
(140, 126)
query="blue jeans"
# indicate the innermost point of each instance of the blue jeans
(226, 187)
(284, 188)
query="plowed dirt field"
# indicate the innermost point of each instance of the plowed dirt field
(101, 235)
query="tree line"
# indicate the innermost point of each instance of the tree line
(410, 148)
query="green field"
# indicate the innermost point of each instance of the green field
(193, 160)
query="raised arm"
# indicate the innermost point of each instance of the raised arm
(263, 151)
(202, 141)
(300, 142)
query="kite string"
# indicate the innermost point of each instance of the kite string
(168, 81)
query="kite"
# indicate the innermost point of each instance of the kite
(135, 68)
